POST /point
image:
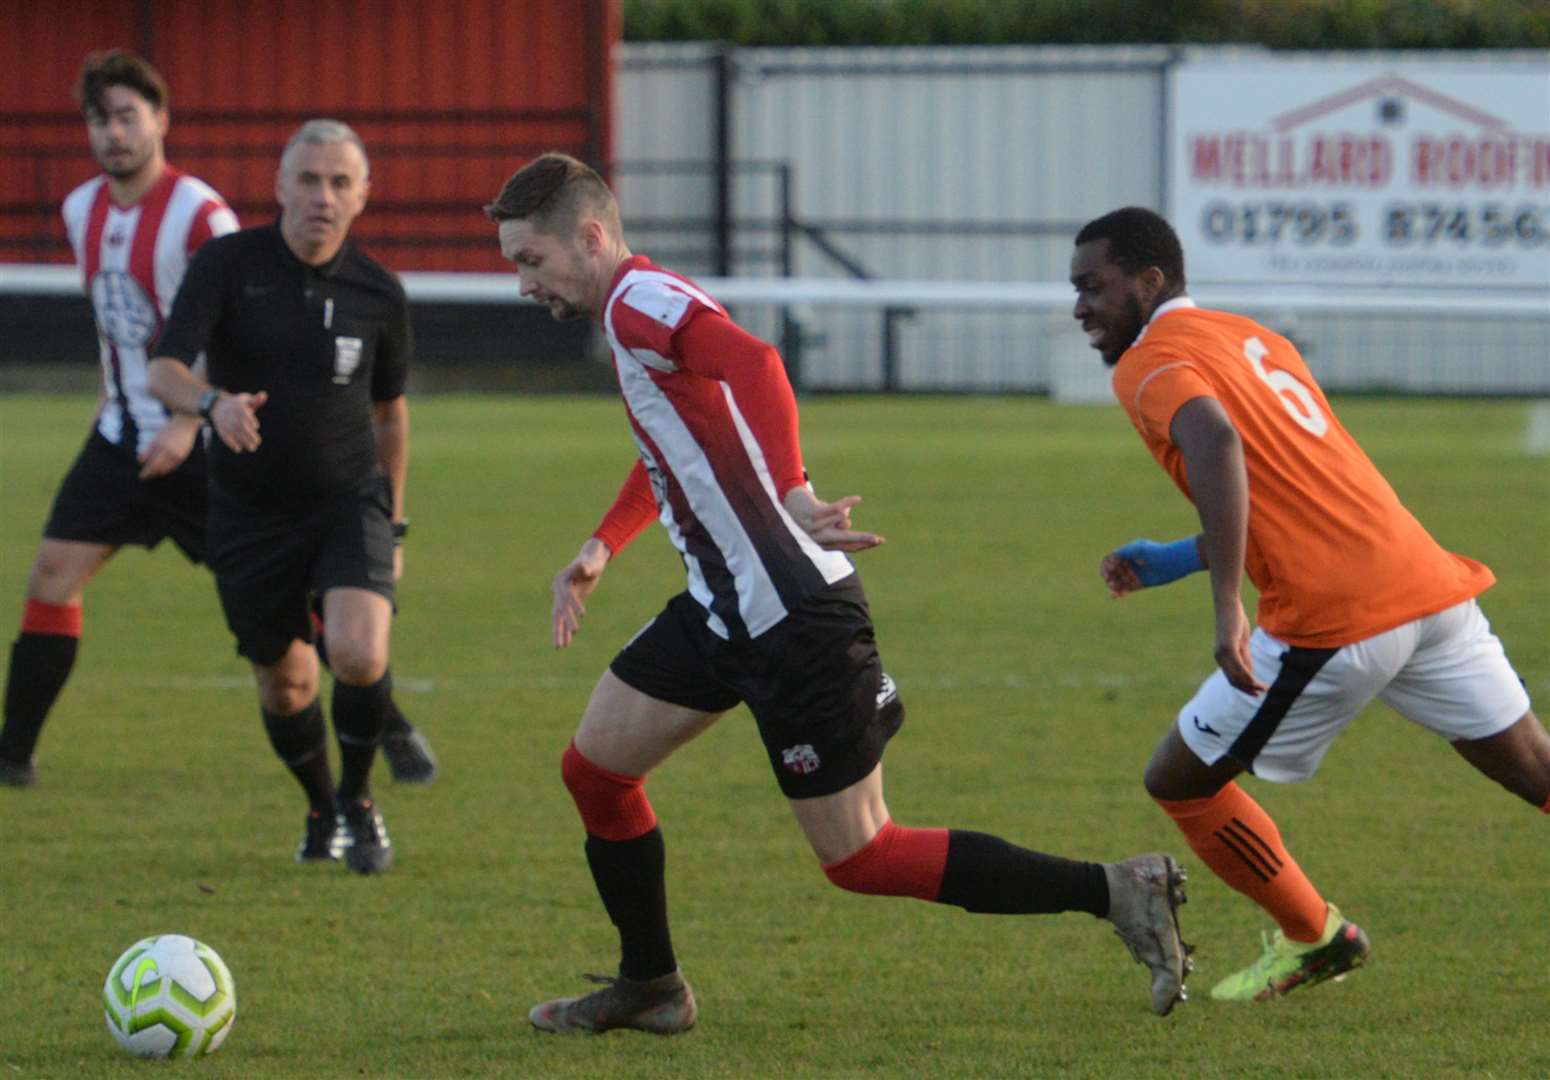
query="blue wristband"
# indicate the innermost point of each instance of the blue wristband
(1158, 564)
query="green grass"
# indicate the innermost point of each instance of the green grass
(1033, 700)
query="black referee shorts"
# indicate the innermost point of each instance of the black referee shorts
(102, 500)
(267, 562)
(814, 683)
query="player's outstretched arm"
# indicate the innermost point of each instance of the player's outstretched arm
(828, 523)
(573, 585)
(1144, 563)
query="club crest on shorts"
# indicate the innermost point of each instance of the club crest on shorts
(802, 759)
(347, 357)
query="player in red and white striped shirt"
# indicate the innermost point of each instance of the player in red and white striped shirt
(132, 241)
(774, 616)
(140, 478)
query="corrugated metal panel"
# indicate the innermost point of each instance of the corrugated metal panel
(41, 48)
(955, 164)
(664, 142)
(1001, 138)
(449, 97)
(373, 54)
(886, 147)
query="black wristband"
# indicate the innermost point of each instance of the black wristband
(207, 402)
(400, 530)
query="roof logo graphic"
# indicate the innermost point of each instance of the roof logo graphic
(1387, 86)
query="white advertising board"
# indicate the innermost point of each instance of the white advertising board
(1413, 173)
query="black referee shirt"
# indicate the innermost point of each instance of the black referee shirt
(324, 341)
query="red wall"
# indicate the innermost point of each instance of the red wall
(450, 98)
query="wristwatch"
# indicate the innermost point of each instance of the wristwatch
(207, 402)
(400, 530)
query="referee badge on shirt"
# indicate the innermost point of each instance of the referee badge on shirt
(347, 357)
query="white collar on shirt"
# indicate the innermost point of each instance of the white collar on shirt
(1178, 303)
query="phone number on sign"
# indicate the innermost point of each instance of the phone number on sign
(1277, 222)
(1400, 224)
(1490, 225)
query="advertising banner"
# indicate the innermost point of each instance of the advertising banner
(1327, 171)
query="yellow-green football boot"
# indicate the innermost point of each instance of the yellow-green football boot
(1284, 965)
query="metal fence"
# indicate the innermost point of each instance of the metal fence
(966, 165)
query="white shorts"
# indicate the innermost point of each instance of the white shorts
(1446, 672)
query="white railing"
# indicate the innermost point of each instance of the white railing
(1019, 336)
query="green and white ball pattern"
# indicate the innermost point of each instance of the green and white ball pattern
(169, 996)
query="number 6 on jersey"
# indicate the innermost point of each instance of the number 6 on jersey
(1293, 394)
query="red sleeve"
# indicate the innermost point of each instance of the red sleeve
(199, 231)
(634, 508)
(712, 345)
(213, 218)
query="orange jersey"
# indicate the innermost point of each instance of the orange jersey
(1335, 555)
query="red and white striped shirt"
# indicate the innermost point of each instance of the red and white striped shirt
(132, 260)
(716, 424)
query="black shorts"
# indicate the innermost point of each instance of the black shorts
(814, 683)
(102, 500)
(267, 562)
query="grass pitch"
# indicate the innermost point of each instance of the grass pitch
(1033, 699)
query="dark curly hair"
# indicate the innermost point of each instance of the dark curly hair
(1138, 238)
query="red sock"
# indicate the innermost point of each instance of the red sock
(61, 620)
(1546, 807)
(896, 862)
(1241, 844)
(613, 806)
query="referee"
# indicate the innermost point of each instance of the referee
(308, 344)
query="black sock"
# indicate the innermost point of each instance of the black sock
(359, 714)
(301, 741)
(989, 876)
(40, 664)
(397, 722)
(631, 880)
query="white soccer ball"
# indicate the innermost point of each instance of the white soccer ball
(169, 996)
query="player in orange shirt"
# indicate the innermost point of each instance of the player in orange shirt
(1356, 599)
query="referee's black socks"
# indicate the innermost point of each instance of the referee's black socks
(301, 741)
(360, 715)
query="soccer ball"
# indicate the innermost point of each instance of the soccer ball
(169, 996)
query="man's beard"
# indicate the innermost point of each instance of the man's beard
(1127, 333)
(125, 167)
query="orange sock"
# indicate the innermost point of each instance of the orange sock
(1238, 841)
